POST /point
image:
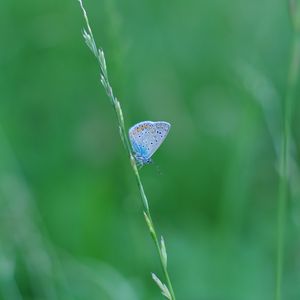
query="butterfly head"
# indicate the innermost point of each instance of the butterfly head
(141, 160)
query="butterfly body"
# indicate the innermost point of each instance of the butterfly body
(146, 137)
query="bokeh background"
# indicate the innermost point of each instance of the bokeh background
(71, 223)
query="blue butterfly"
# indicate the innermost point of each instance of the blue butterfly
(146, 137)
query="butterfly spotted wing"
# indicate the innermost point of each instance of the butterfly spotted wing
(146, 137)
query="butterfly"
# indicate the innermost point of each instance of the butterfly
(146, 137)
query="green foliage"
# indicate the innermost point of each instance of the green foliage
(70, 221)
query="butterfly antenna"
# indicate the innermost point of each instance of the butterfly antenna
(158, 169)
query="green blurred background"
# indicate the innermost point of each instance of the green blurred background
(71, 223)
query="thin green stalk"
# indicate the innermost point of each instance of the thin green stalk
(292, 79)
(167, 290)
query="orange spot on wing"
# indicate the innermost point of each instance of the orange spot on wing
(142, 127)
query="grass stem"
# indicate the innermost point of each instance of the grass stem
(167, 291)
(292, 79)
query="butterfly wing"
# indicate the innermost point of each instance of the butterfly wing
(147, 136)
